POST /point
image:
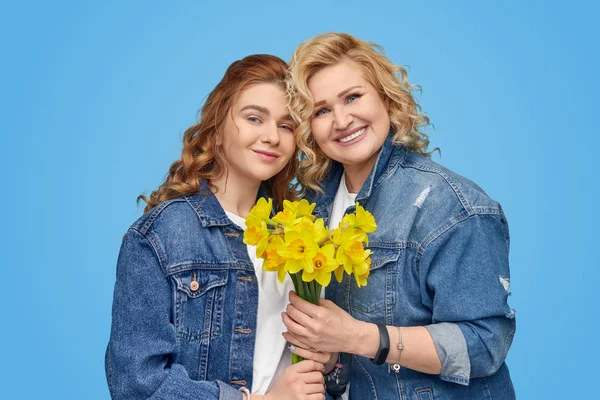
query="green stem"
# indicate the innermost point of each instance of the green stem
(272, 223)
(318, 287)
(296, 358)
(309, 293)
(301, 287)
(295, 281)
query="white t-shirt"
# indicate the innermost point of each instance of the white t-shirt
(271, 356)
(341, 202)
(343, 199)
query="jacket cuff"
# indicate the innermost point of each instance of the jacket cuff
(227, 392)
(451, 347)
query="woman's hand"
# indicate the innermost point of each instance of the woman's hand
(302, 381)
(307, 353)
(322, 328)
(324, 357)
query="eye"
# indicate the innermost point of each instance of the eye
(352, 98)
(253, 119)
(321, 111)
(287, 127)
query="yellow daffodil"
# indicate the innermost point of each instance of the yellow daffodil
(299, 251)
(351, 249)
(295, 240)
(364, 219)
(361, 280)
(323, 264)
(293, 212)
(273, 260)
(316, 230)
(362, 266)
(361, 220)
(259, 213)
(257, 235)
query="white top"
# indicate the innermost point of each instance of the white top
(341, 202)
(343, 199)
(271, 356)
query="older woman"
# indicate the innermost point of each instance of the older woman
(435, 307)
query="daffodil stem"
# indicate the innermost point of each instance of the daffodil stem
(309, 291)
(299, 285)
(272, 223)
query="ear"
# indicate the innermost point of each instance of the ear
(386, 102)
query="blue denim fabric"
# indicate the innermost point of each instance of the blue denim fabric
(440, 260)
(169, 341)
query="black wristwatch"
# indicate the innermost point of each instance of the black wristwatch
(384, 345)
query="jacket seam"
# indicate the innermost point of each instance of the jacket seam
(449, 225)
(155, 249)
(154, 213)
(459, 194)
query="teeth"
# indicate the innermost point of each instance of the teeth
(353, 136)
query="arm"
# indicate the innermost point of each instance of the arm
(142, 341)
(329, 328)
(462, 271)
(465, 277)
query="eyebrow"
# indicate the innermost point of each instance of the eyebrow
(265, 111)
(261, 109)
(340, 94)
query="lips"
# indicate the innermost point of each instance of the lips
(351, 135)
(267, 155)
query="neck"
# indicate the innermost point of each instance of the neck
(356, 175)
(237, 196)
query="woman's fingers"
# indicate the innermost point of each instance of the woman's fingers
(293, 326)
(295, 340)
(314, 388)
(310, 355)
(314, 377)
(298, 316)
(309, 366)
(306, 307)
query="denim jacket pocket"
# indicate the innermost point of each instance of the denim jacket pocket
(199, 298)
(380, 293)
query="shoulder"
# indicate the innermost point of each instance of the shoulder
(168, 214)
(185, 231)
(424, 199)
(429, 178)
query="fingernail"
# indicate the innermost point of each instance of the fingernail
(292, 347)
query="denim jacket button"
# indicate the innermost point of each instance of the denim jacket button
(194, 285)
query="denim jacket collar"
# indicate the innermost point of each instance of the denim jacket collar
(389, 156)
(207, 206)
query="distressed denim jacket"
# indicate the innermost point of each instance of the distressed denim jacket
(185, 306)
(440, 260)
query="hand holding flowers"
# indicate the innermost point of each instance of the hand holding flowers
(294, 241)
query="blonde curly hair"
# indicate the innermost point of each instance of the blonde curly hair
(390, 81)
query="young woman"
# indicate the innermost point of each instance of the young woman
(194, 316)
(435, 307)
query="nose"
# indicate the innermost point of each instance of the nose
(270, 135)
(341, 118)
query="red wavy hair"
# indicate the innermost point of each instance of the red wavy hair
(201, 157)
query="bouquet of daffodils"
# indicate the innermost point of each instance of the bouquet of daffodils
(294, 241)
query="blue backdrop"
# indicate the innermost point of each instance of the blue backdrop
(95, 97)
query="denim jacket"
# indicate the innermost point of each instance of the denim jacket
(440, 260)
(185, 306)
